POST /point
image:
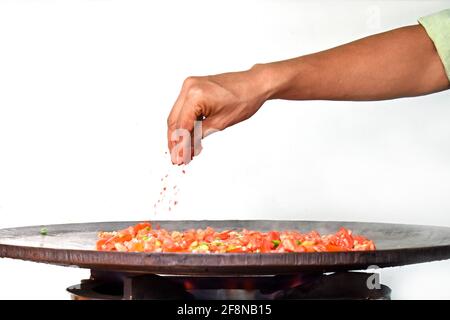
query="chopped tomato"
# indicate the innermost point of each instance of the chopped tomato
(331, 248)
(143, 238)
(142, 226)
(273, 235)
(224, 235)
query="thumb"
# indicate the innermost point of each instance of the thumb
(210, 126)
(184, 135)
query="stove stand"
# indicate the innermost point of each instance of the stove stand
(107, 285)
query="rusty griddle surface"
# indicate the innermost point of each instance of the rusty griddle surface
(74, 245)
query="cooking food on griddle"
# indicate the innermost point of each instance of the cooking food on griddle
(144, 238)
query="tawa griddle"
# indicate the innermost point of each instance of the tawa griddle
(74, 245)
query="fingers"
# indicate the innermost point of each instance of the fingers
(210, 126)
(184, 129)
(193, 117)
(181, 150)
(173, 115)
(196, 146)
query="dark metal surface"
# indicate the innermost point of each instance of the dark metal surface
(123, 286)
(74, 245)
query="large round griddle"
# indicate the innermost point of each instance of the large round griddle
(74, 245)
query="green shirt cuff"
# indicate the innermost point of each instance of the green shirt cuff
(438, 28)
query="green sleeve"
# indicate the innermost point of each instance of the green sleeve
(438, 28)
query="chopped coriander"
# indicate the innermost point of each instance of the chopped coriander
(276, 243)
(43, 231)
(299, 242)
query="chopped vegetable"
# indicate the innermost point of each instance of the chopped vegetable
(144, 238)
(276, 243)
(43, 231)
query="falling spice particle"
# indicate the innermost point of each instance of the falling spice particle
(168, 195)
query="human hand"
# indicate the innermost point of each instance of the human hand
(218, 101)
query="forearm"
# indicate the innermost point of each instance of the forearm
(398, 63)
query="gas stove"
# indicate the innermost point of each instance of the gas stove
(107, 285)
(272, 276)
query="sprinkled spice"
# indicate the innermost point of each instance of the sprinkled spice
(169, 190)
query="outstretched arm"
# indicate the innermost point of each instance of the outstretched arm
(398, 63)
(394, 64)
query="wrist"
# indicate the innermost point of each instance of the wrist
(283, 79)
(265, 80)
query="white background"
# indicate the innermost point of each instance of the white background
(86, 86)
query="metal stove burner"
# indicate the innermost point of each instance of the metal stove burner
(126, 286)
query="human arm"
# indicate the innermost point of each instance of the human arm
(398, 63)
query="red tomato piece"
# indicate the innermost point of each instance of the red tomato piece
(143, 238)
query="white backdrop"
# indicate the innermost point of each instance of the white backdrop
(86, 86)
